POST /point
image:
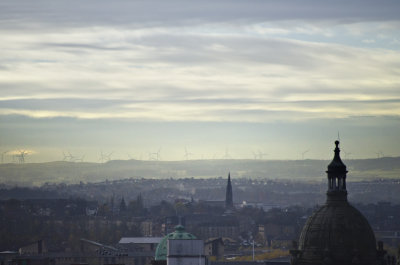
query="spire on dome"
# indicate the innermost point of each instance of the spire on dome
(337, 164)
(337, 177)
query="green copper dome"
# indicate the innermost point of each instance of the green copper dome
(180, 233)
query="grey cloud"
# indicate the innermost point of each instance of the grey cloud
(61, 104)
(180, 12)
(195, 49)
(226, 106)
(80, 46)
(186, 68)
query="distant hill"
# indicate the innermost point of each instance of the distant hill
(36, 174)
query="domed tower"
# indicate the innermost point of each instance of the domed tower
(336, 233)
(161, 250)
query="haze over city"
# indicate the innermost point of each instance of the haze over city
(199, 79)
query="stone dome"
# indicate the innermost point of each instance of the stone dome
(179, 233)
(336, 233)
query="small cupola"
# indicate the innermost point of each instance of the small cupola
(337, 173)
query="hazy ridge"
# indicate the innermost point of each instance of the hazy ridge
(36, 174)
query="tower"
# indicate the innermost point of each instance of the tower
(229, 196)
(336, 233)
(179, 247)
(337, 174)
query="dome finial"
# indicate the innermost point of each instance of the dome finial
(337, 164)
(337, 151)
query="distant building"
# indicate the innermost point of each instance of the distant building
(36, 248)
(228, 202)
(265, 206)
(146, 227)
(161, 254)
(139, 244)
(219, 225)
(88, 246)
(7, 256)
(213, 203)
(180, 248)
(214, 247)
(170, 222)
(219, 230)
(185, 252)
(270, 232)
(90, 253)
(267, 262)
(391, 238)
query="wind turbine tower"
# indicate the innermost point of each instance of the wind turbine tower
(261, 154)
(104, 157)
(187, 154)
(227, 155)
(158, 156)
(155, 156)
(303, 154)
(21, 156)
(2, 156)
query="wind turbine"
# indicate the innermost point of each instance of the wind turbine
(261, 154)
(155, 156)
(65, 157)
(158, 156)
(21, 156)
(104, 157)
(69, 157)
(227, 155)
(80, 159)
(151, 157)
(346, 154)
(2, 156)
(302, 154)
(187, 154)
(131, 157)
(380, 154)
(108, 156)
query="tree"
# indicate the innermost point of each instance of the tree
(136, 206)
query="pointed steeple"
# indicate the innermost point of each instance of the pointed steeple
(122, 205)
(229, 196)
(337, 173)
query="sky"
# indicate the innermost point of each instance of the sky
(97, 80)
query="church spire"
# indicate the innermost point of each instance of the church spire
(229, 196)
(336, 178)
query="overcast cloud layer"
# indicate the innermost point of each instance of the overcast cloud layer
(238, 62)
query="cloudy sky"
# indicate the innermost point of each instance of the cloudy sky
(215, 79)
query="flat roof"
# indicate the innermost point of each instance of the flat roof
(140, 240)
